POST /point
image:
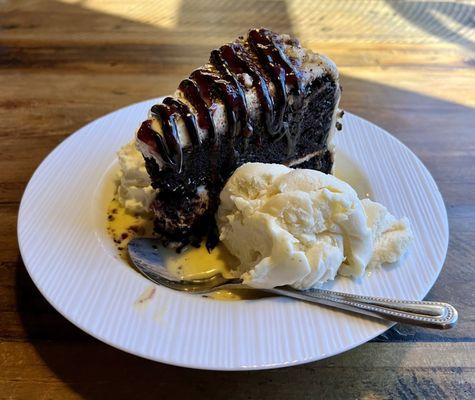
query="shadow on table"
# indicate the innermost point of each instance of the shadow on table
(97, 371)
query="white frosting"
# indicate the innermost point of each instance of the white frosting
(310, 64)
(300, 227)
(134, 191)
(308, 157)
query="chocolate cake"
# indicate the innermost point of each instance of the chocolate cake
(263, 98)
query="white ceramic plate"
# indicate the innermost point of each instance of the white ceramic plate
(73, 262)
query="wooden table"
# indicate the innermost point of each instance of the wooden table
(408, 67)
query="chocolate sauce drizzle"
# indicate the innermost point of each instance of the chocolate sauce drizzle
(192, 93)
(263, 61)
(230, 60)
(224, 61)
(279, 68)
(154, 141)
(188, 117)
(166, 116)
(213, 86)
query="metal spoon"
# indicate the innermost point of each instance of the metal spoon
(430, 314)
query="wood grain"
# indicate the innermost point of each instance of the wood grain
(407, 66)
(406, 374)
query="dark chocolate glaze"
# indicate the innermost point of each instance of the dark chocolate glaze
(263, 41)
(192, 93)
(280, 70)
(235, 97)
(260, 58)
(232, 59)
(166, 117)
(213, 87)
(188, 117)
(154, 141)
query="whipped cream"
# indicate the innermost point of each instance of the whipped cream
(302, 227)
(134, 191)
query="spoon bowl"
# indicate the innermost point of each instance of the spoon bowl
(146, 256)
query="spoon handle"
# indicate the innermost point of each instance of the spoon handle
(429, 314)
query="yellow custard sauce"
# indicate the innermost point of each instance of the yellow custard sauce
(191, 263)
(199, 263)
(123, 226)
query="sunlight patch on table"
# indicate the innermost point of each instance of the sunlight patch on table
(163, 14)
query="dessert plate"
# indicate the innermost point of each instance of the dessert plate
(65, 247)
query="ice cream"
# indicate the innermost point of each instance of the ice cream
(301, 227)
(391, 237)
(134, 191)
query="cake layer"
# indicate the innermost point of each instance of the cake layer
(260, 99)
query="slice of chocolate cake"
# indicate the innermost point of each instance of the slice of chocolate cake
(262, 98)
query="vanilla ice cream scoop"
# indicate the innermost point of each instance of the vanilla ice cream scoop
(301, 227)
